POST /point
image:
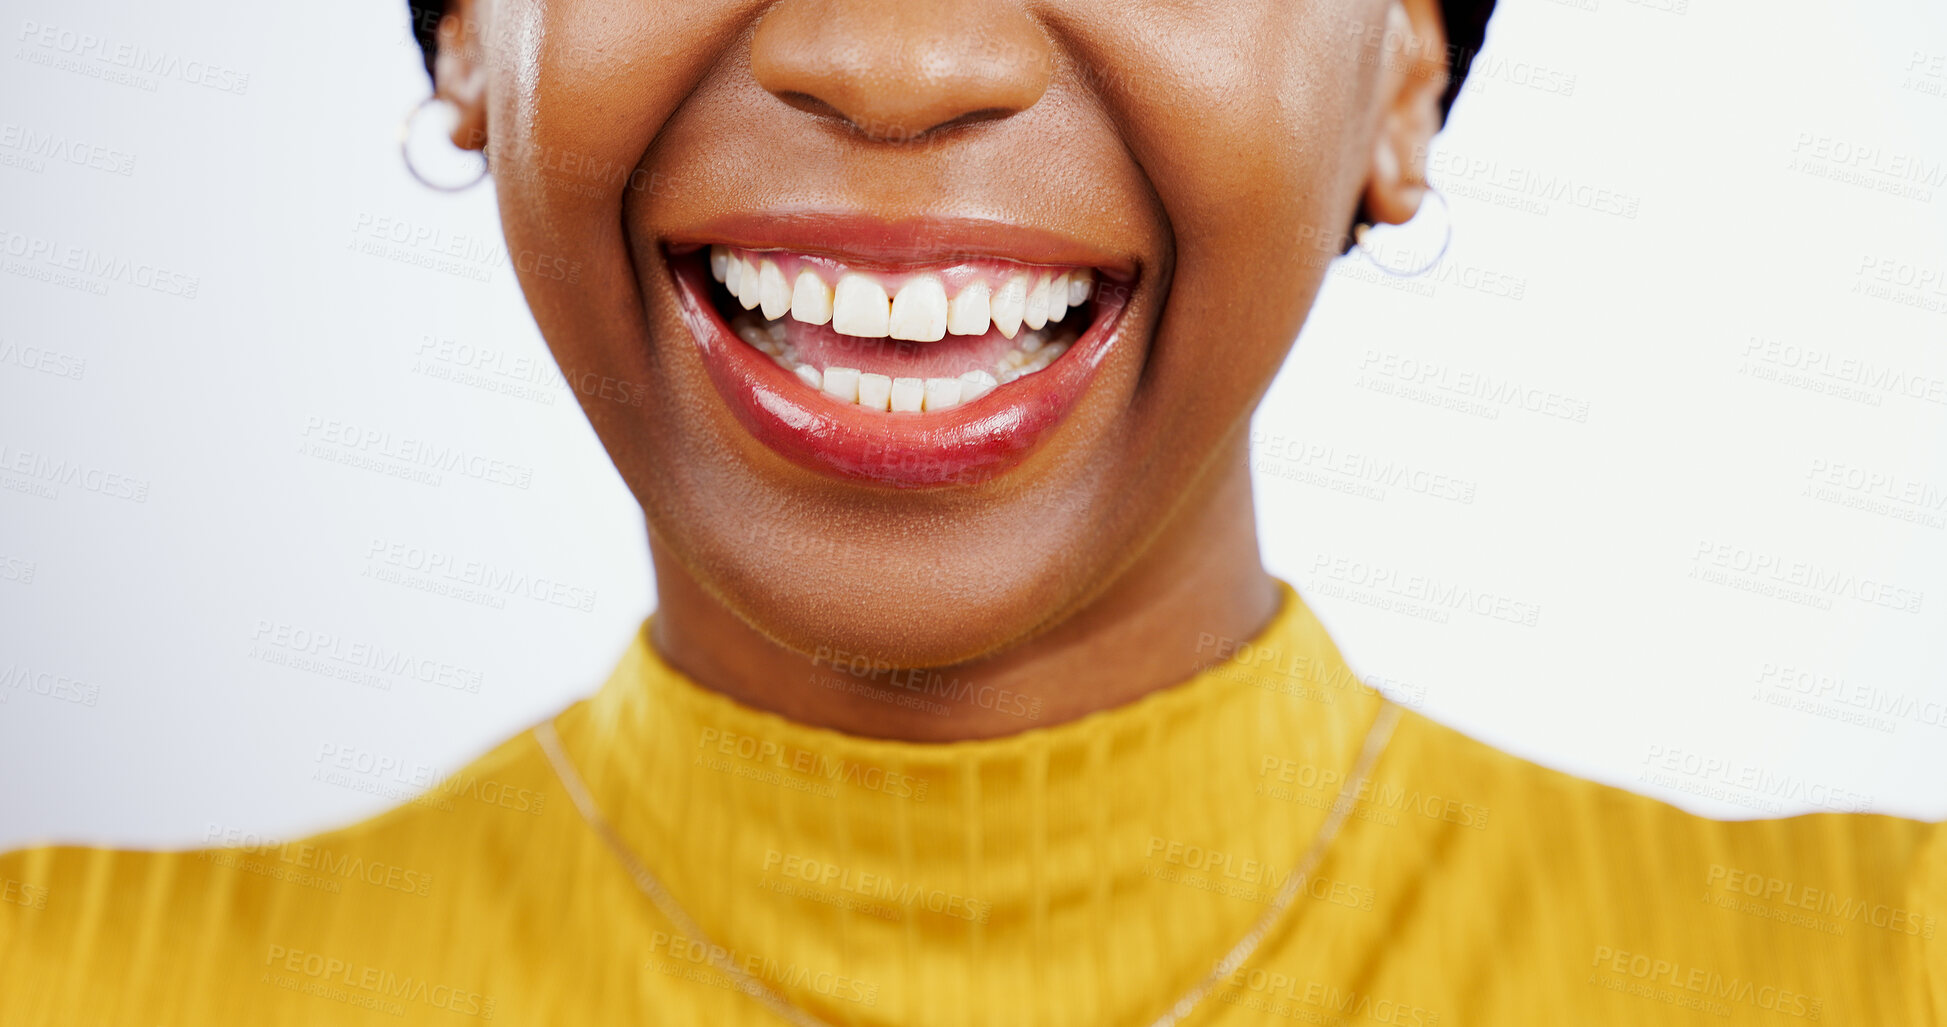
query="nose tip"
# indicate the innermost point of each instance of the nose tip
(896, 70)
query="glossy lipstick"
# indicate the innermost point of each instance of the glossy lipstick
(967, 444)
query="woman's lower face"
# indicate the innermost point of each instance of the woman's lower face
(913, 326)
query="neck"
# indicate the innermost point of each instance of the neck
(1199, 579)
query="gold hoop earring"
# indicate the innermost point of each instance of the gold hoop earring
(1361, 232)
(450, 117)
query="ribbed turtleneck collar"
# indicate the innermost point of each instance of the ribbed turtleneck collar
(871, 881)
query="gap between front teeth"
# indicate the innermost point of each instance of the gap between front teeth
(858, 305)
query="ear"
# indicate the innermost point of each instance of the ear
(460, 72)
(1414, 78)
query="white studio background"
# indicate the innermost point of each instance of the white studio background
(1646, 481)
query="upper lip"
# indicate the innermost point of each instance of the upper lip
(872, 242)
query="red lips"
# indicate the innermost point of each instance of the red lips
(967, 444)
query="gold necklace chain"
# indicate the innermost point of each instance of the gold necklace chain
(564, 769)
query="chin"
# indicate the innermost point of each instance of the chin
(907, 580)
(894, 626)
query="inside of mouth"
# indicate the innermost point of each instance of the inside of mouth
(910, 340)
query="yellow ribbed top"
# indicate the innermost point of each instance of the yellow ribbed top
(1086, 873)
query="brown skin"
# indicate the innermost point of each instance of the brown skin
(1222, 148)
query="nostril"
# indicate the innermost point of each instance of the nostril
(883, 130)
(895, 72)
(975, 117)
(810, 104)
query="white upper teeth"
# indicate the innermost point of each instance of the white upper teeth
(860, 307)
(1078, 288)
(921, 310)
(970, 312)
(1036, 314)
(1009, 304)
(748, 283)
(811, 299)
(1021, 305)
(772, 294)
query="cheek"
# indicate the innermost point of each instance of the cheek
(579, 90)
(1248, 121)
(1271, 176)
(1255, 152)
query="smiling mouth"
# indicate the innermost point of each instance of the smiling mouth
(909, 341)
(907, 372)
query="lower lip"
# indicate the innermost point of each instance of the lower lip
(966, 445)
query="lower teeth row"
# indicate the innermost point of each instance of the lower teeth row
(1034, 351)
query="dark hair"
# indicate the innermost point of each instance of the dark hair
(1466, 28)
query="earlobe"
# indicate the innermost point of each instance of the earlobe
(1416, 75)
(460, 75)
(1397, 183)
